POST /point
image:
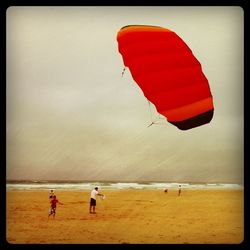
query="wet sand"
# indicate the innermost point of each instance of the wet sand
(127, 217)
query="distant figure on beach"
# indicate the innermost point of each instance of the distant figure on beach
(53, 203)
(179, 190)
(93, 195)
(165, 191)
(51, 194)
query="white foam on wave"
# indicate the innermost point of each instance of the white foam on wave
(118, 186)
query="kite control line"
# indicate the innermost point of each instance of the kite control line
(123, 71)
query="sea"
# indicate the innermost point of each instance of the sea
(78, 185)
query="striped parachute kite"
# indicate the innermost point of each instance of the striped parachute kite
(169, 75)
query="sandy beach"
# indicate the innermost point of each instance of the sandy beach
(127, 217)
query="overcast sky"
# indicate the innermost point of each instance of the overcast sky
(71, 116)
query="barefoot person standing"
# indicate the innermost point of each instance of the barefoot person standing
(179, 190)
(53, 204)
(93, 195)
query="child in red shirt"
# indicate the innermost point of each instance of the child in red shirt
(53, 203)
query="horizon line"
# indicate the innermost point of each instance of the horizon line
(119, 181)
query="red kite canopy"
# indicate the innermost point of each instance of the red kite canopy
(168, 73)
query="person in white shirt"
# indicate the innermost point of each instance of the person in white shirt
(93, 195)
(51, 194)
